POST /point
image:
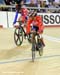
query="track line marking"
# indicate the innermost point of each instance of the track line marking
(54, 39)
(28, 59)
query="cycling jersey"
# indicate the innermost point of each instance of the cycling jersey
(24, 14)
(37, 22)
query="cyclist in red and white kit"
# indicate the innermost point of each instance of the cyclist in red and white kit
(35, 23)
(24, 15)
(24, 12)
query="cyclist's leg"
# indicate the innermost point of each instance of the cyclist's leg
(41, 39)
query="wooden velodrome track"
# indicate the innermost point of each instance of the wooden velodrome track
(17, 60)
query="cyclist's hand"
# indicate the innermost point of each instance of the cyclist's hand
(41, 31)
(38, 32)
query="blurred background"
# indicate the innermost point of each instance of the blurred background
(32, 3)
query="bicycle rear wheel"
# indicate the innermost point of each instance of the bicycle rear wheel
(18, 36)
(39, 46)
(41, 51)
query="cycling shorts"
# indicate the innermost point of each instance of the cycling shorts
(35, 28)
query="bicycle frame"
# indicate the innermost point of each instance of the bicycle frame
(20, 33)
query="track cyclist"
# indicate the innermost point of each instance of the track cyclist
(35, 24)
(21, 9)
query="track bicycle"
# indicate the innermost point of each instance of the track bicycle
(19, 34)
(36, 45)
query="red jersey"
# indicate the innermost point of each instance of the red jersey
(38, 22)
(24, 13)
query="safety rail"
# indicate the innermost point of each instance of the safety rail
(49, 19)
(13, 6)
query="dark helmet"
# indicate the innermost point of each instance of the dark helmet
(33, 13)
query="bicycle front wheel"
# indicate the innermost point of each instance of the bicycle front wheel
(33, 52)
(18, 36)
